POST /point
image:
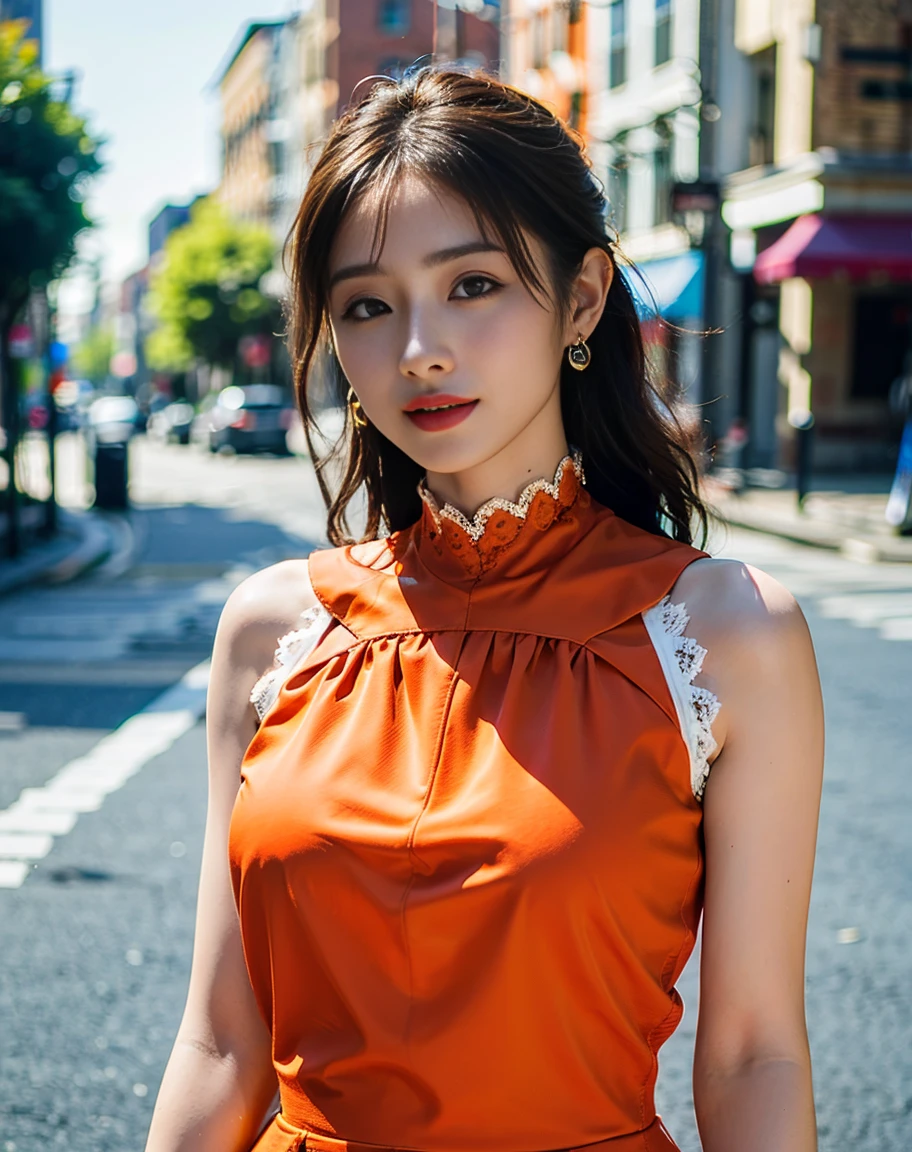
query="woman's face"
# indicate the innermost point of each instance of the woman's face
(450, 355)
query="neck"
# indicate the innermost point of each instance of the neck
(505, 474)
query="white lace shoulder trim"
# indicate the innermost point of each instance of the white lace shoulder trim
(292, 650)
(682, 658)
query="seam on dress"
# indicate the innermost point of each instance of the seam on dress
(580, 645)
(669, 966)
(410, 843)
(319, 595)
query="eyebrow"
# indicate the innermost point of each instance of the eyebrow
(432, 260)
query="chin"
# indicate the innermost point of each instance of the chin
(454, 450)
(448, 458)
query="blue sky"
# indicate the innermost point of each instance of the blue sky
(143, 71)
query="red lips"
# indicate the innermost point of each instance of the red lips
(438, 412)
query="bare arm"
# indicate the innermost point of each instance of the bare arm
(752, 1069)
(219, 1083)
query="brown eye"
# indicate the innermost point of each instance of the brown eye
(364, 309)
(475, 286)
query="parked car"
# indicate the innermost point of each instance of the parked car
(173, 423)
(247, 418)
(149, 407)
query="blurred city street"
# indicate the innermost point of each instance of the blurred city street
(98, 927)
(753, 167)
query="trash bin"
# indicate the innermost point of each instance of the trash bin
(111, 475)
(111, 424)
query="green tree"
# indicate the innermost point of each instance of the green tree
(91, 358)
(206, 293)
(47, 158)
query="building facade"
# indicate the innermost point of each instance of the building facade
(247, 91)
(163, 223)
(284, 82)
(797, 115)
(823, 217)
(666, 114)
(544, 53)
(384, 37)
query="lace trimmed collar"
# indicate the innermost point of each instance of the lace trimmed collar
(475, 528)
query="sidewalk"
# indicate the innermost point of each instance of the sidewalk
(84, 540)
(843, 514)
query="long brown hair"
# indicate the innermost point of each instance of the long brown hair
(522, 171)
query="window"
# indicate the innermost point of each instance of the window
(538, 40)
(762, 137)
(618, 186)
(394, 17)
(662, 31)
(882, 325)
(617, 63)
(559, 28)
(576, 109)
(662, 178)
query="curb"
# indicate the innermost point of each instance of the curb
(866, 549)
(63, 558)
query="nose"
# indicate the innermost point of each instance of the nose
(426, 355)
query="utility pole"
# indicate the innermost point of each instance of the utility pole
(9, 402)
(711, 242)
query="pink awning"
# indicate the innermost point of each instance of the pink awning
(818, 247)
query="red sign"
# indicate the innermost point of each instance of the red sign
(255, 351)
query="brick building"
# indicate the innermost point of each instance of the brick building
(827, 204)
(246, 90)
(545, 54)
(284, 81)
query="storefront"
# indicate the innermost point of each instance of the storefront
(846, 329)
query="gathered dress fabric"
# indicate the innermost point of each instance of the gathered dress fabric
(466, 850)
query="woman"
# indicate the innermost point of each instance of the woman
(490, 784)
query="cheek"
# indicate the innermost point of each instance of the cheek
(368, 355)
(516, 345)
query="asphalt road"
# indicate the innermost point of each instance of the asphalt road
(96, 938)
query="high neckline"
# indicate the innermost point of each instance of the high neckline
(478, 542)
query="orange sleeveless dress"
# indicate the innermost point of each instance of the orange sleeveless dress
(466, 850)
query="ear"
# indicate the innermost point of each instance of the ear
(590, 291)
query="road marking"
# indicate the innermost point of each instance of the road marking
(13, 873)
(29, 825)
(23, 846)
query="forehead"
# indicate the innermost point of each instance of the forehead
(418, 217)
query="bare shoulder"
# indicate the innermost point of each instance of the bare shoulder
(733, 603)
(261, 609)
(760, 659)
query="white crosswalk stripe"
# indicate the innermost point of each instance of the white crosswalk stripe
(29, 825)
(102, 622)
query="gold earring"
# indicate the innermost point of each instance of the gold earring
(578, 354)
(357, 413)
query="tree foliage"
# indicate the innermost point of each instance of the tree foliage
(91, 358)
(206, 293)
(47, 159)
